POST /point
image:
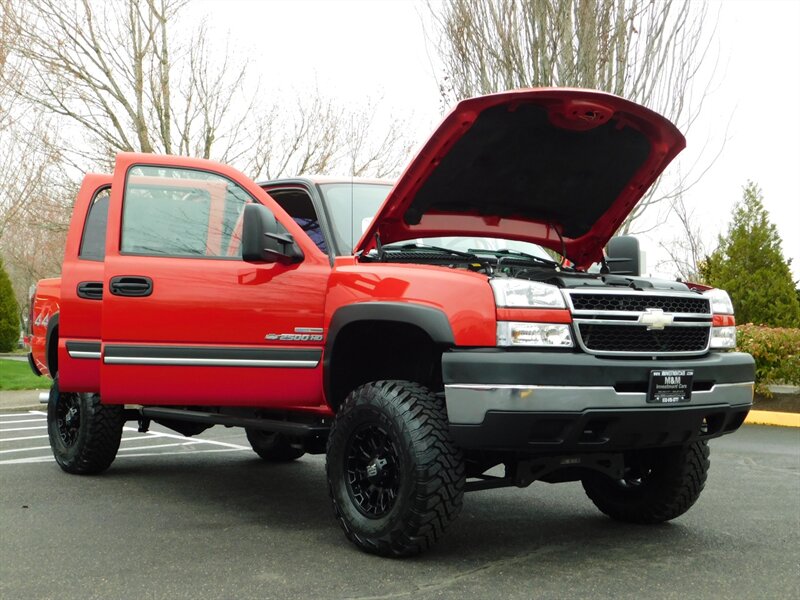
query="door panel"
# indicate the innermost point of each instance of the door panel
(82, 288)
(191, 325)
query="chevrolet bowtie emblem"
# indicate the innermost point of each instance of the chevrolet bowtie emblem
(655, 318)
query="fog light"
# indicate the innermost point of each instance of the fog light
(513, 333)
(723, 337)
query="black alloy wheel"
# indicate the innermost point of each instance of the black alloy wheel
(68, 418)
(373, 470)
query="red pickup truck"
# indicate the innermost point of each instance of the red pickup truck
(419, 333)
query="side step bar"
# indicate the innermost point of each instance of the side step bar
(271, 425)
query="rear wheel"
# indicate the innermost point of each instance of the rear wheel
(659, 484)
(395, 478)
(273, 447)
(84, 434)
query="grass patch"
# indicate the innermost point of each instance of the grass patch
(17, 375)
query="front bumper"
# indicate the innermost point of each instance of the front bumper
(571, 402)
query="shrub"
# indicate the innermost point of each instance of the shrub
(9, 313)
(749, 265)
(776, 351)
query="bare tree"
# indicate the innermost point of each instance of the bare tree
(649, 51)
(125, 76)
(112, 70)
(322, 137)
(32, 209)
(686, 250)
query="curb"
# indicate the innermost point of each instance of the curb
(768, 417)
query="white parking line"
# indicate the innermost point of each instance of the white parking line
(182, 437)
(23, 428)
(25, 449)
(183, 453)
(27, 437)
(144, 448)
(159, 446)
(49, 458)
(26, 414)
(33, 459)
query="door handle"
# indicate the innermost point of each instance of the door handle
(131, 285)
(90, 290)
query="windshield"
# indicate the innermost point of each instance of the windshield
(351, 207)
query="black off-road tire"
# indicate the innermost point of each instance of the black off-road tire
(84, 434)
(662, 484)
(395, 477)
(272, 447)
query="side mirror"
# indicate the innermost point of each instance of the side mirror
(264, 240)
(623, 256)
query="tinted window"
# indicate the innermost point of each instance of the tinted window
(93, 244)
(181, 212)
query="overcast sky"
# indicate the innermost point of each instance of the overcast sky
(378, 49)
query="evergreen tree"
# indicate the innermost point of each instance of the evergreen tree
(9, 313)
(748, 263)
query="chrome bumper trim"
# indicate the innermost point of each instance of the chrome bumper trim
(467, 404)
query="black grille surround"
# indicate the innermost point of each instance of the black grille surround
(619, 323)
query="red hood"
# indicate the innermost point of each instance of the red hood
(531, 165)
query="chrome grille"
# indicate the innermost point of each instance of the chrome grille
(608, 323)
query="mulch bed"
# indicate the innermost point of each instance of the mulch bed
(778, 402)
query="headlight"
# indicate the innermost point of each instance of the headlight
(518, 293)
(720, 302)
(723, 337)
(552, 335)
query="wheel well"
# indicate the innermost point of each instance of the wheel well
(372, 350)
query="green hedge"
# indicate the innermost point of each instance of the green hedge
(776, 351)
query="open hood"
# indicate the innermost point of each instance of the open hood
(549, 166)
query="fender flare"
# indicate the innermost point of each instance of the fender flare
(52, 338)
(432, 321)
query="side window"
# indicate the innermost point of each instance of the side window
(298, 205)
(181, 212)
(93, 243)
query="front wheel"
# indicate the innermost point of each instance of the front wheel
(659, 484)
(84, 434)
(395, 477)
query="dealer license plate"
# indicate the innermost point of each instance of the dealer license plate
(670, 386)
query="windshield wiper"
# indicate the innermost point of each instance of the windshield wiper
(517, 253)
(468, 256)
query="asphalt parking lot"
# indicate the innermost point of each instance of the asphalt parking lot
(204, 517)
